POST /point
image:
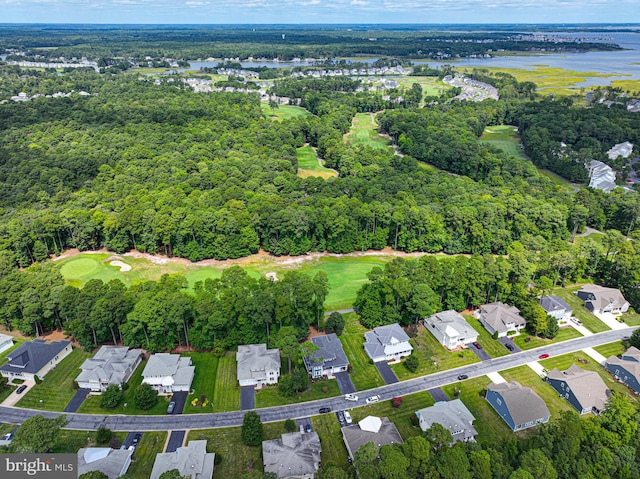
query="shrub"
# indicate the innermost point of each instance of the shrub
(413, 419)
(325, 389)
(412, 363)
(111, 398)
(290, 425)
(103, 435)
(145, 397)
(114, 443)
(396, 401)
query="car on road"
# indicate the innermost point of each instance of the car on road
(477, 344)
(21, 389)
(462, 376)
(351, 397)
(372, 399)
(324, 410)
(308, 427)
(136, 439)
(172, 406)
(509, 346)
(543, 356)
(347, 417)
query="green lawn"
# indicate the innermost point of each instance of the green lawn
(284, 112)
(589, 321)
(226, 394)
(504, 137)
(363, 374)
(127, 406)
(204, 381)
(6, 392)
(430, 85)
(56, 390)
(308, 164)
(493, 347)
(433, 357)
(364, 131)
(3, 356)
(271, 396)
(333, 448)
(152, 443)
(535, 342)
(528, 377)
(69, 441)
(631, 318)
(611, 349)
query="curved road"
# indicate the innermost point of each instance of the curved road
(279, 413)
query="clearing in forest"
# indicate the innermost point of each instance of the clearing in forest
(364, 131)
(309, 164)
(283, 112)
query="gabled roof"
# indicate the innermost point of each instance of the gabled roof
(604, 296)
(294, 454)
(5, 337)
(175, 369)
(587, 386)
(633, 353)
(389, 335)
(453, 415)
(632, 364)
(523, 403)
(498, 315)
(109, 364)
(192, 461)
(554, 303)
(354, 436)
(621, 149)
(254, 359)
(104, 459)
(330, 353)
(451, 324)
(32, 356)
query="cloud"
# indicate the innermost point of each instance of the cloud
(359, 2)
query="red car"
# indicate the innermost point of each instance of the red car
(477, 345)
(543, 356)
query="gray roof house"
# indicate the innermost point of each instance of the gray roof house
(599, 299)
(387, 343)
(520, 407)
(451, 329)
(626, 368)
(453, 415)
(294, 455)
(621, 149)
(602, 177)
(168, 373)
(328, 359)
(585, 390)
(257, 365)
(556, 307)
(35, 358)
(501, 318)
(110, 365)
(379, 431)
(112, 462)
(6, 342)
(191, 460)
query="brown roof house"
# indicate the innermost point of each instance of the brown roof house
(599, 299)
(626, 368)
(379, 431)
(585, 390)
(520, 407)
(500, 318)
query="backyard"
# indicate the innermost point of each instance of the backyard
(364, 374)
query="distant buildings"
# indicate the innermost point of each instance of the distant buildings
(295, 455)
(192, 461)
(602, 177)
(621, 149)
(168, 373)
(110, 365)
(328, 359)
(520, 407)
(500, 318)
(453, 415)
(35, 358)
(6, 342)
(257, 365)
(387, 343)
(451, 329)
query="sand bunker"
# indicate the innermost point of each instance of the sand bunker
(272, 276)
(119, 264)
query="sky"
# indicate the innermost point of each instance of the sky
(318, 11)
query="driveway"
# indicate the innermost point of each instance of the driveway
(611, 320)
(304, 421)
(247, 398)
(180, 399)
(481, 353)
(344, 383)
(438, 395)
(175, 441)
(128, 441)
(77, 400)
(505, 341)
(386, 372)
(13, 398)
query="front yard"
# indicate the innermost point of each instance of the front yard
(271, 396)
(493, 347)
(535, 342)
(364, 373)
(152, 443)
(589, 321)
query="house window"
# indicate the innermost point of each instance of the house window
(498, 402)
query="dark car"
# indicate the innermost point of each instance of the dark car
(171, 407)
(509, 346)
(136, 439)
(340, 415)
(21, 389)
(324, 410)
(462, 376)
(308, 427)
(477, 344)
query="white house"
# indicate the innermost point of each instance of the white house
(294, 456)
(168, 373)
(110, 365)
(451, 329)
(6, 342)
(556, 307)
(500, 318)
(599, 299)
(35, 358)
(257, 365)
(387, 343)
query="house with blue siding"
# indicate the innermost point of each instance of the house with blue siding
(520, 407)
(626, 368)
(585, 390)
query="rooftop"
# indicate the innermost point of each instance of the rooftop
(294, 454)
(523, 403)
(355, 436)
(32, 356)
(587, 386)
(453, 415)
(192, 461)
(451, 324)
(254, 359)
(330, 352)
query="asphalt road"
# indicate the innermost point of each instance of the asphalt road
(279, 413)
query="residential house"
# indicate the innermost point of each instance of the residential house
(168, 373)
(500, 318)
(257, 365)
(599, 299)
(451, 329)
(35, 358)
(112, 462)
(6, 342)
(328, 359)
(556, 307)
(110, 365)
(585, 390)
(295, 455)
(192, 461)
(520, 407)
(621, 149)
(380, 431)
(387, 343)
(453, 415)
(626, 368)
(602, 177)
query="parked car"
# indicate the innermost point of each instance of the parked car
(477, 344)
(372, 399)
(351, 397)
(171, 407)
(136, 439)
(340, 415)
(543, 356)
(324, 410)
(21, 389)
(509, 346)
(308, 427)
(347, 417)
(576, 320)
(462, 376)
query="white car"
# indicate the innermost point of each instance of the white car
(372, 399)
(576, 320)
(347, 417)
(351, 397)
